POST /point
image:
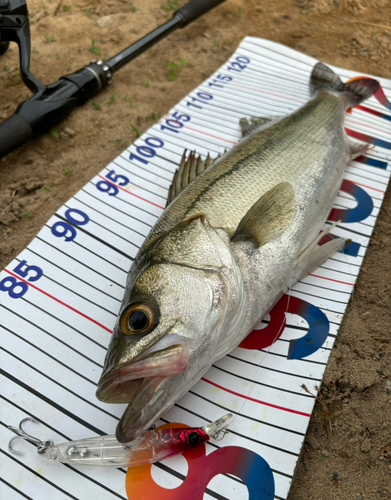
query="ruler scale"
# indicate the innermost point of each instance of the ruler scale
(59, 300)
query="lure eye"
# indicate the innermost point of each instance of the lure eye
(138, 317)
(193, 438)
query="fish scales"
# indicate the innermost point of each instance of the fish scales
(228, 246)
(314, 166)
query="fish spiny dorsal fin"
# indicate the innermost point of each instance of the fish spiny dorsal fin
(189, 169)
(268, 217)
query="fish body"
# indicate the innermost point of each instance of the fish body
(225, 250)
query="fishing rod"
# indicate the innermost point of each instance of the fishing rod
(51, 103)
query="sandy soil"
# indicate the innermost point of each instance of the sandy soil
(34, 181)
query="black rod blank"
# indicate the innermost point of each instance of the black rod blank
(181, 18)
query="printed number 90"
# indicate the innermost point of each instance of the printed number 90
(67, 229)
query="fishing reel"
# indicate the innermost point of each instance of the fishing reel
(51, 103)
(15, 27)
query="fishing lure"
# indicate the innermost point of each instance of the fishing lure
(151, 446)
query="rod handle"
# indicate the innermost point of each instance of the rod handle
(14, 132)
(194, 9)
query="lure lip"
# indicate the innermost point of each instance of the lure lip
(214, 429)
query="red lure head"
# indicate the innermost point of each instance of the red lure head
(164, 442)
(193, 436)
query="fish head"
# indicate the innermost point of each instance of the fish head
(176, 302)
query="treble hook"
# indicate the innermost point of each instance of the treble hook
(22, 434)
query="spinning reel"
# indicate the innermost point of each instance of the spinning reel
(51, 103)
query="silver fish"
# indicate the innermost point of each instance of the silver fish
(236, 235)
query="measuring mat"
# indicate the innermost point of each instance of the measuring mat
(61, 295)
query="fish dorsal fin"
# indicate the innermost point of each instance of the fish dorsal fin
(188, 170)
(248, 125)
(268, 217)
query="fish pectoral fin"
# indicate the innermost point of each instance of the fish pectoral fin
(268, 217)
(189, 169)
(247, 125)
(315, 255)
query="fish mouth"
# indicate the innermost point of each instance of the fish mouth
(122, 384)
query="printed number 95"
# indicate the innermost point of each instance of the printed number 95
(108, 187)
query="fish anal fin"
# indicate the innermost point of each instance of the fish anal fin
(315, 255)
(357, 150)
(268, 217)
(189, 169)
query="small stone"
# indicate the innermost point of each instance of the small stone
(359, 497)
(388, 386)
(366, 445)
(69, 132)
(107, 22)
(313, 442)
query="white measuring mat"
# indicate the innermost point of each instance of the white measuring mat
(61, 295)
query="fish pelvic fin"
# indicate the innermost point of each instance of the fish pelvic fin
(189, 169)
(315, 255)
(268, 217)
(353, 92)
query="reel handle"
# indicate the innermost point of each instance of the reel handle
(15, 27)
(14, 132)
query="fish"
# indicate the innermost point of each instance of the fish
(237, 233)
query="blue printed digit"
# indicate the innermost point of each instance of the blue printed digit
(174, 125)
(108, 188)
(69, 216)
(63, 229)
(67, 230)
(37, 271)
(239, 65)
(121, 180)
(16, 288)
(10, 284)
(147, 151)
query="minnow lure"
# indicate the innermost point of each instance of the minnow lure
(151, 446)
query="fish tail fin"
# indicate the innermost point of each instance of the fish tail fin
(353, 92)
(361, 88)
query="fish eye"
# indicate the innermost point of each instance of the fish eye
(138, 317)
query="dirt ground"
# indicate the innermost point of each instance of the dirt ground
(348, 464)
